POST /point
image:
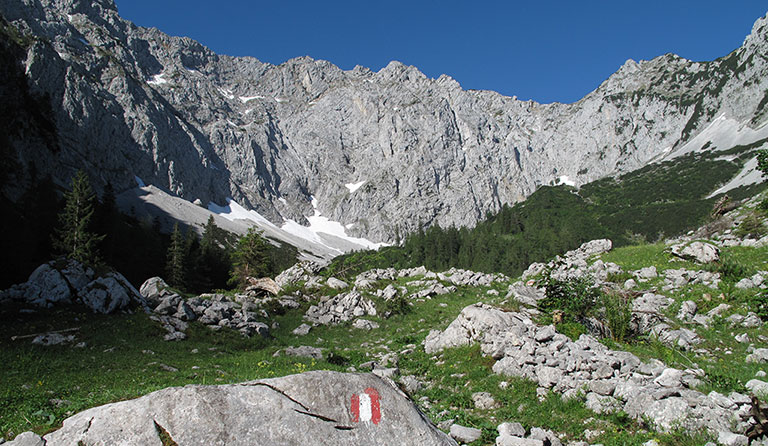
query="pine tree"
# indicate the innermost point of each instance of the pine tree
(251, 257)
(74, 237)
(176, 267)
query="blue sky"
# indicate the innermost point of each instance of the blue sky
(542, 50)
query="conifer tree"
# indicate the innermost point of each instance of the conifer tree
(176, 267)
(74, 237)
(251, 257)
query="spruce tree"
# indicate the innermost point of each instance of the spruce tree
(251, 257)
(74, 237)
(176, 267)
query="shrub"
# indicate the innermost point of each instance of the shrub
(751, 226)
(618, 315)
(396, 305)
(730, 269)
(575, 297)
(759, 304)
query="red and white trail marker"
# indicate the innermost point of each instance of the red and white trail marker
(366, 406)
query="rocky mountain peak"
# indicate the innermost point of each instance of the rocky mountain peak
(376, 153)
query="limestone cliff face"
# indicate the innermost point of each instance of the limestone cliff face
(131, 101)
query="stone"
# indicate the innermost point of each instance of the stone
(647, 273)
(47, 286)
(547, 437)
(411, 384)
(687, 310)
(302, 330)
(752, 321)
(153, 289)
(484, 401)
(511, 429)
(506, 440)
(666, 413)
(264, 284)
(700, 252)
(296, 409)
(759, 355)
(546, 333)
(602, 404)
(385, 372)
(731, 439)
(757, 387)
(670, 378)
(364, 324)
(336, 284)
(49, 339)
(304, 351)
(465, 434)
(27, 439)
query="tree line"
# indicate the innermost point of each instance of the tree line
(89, 228)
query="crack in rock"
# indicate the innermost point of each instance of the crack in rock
(307, 411)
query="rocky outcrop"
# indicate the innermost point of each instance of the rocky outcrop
(243, 312)
(380, 152)
(612, 380)
(311, 408)
(67, 281)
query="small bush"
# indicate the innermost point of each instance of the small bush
(336, 359)
(751, 226)
(618, 315)
(759, 304)
(731, 270)
(619, 277)
(575, 297)
(396, 305)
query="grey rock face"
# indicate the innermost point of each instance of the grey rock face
(312, 408)
(378, 150)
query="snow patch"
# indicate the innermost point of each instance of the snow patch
(355, 186)
(282, 200)
(158, 79)
(139, 182)
(233, 211)
(322, 225)
(245, 99)
(565, 180)
(227, 93)
(280, 100)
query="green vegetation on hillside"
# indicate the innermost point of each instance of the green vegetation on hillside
(659, 200)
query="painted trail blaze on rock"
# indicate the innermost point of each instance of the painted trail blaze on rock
(366, 406)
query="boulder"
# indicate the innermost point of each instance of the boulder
(305, 351)
(337, 408)
(365, 324)
(263, 284)
(154, 288)
(27, 439)
(465, 434)
(108, 294)
(68, 281)
(700, 252)
(336, 284)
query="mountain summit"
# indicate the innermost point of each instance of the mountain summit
(377, 154)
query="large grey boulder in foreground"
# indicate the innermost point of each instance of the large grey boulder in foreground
(313, 408)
